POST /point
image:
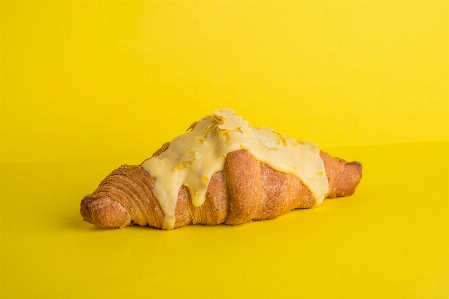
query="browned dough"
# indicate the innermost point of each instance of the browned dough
(244, 190)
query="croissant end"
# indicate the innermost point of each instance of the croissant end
(104, 212)
(349, 179)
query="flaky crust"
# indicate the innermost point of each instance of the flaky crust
(244, 190)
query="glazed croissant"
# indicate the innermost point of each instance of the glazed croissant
(244, 190)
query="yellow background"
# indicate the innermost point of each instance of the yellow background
(89, 85)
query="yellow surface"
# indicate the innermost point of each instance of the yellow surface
(389, 240)
(87, 86)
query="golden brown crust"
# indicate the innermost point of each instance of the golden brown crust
(343, 176)
(243, 177)
(104, 212)
(245, 190)
(216, 206)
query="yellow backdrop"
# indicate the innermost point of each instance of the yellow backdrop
(113, 80)
(89, 85)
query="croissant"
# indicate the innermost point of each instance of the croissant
(243, 189)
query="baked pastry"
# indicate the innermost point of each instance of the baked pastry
(222, 170)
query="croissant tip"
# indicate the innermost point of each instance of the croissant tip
(356, 163)
(104, 212)
(349, 179)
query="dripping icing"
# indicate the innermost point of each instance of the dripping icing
(193, 157)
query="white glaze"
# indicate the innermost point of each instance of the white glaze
(195, 156)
